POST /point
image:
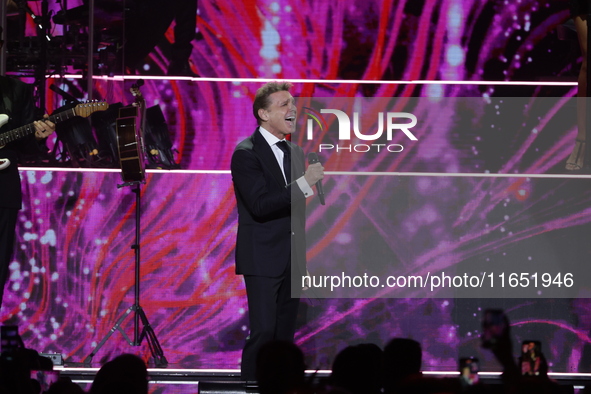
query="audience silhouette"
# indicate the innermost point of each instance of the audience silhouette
(65, 386)
(358, 369)
(365, 369)
(402, 363)
(125, 374)
(280, 368)
(15, 371)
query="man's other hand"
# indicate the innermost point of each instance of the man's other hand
(314, 173)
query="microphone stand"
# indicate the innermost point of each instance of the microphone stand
(139, 314)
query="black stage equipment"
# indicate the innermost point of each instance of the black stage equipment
(158, 144)
(75, 144)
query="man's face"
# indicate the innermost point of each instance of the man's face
(279, 117)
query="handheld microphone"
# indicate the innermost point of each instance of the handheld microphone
(313, 159)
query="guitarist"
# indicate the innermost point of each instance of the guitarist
(16, 101)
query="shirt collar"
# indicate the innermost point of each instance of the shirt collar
(270, 138)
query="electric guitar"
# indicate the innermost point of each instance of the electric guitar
(82, 109)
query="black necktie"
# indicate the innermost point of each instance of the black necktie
(286, 160)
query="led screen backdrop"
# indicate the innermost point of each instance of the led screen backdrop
(72, 276)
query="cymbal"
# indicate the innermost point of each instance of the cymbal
(105, 14)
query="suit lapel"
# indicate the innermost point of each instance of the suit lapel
(264, 151)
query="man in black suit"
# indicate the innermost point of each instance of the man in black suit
(16, 101)
(271, 184)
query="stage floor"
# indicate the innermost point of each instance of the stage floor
(223, 381)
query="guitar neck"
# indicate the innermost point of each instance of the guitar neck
(23, 131)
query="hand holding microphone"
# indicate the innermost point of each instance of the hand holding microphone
(314, 175)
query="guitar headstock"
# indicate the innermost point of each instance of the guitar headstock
(86, 109)
(135, 91)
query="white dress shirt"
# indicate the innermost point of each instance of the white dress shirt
(272, 141)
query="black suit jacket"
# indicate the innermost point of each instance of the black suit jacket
(271, 214)
(16, 101)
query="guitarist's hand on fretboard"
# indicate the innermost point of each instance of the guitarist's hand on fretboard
(44, 128)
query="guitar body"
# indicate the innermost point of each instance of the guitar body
(4, 163)
(3, 119)
(130, 126)
(129, 144)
